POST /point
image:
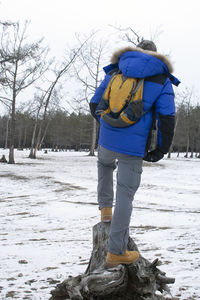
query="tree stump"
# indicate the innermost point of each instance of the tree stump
(138, 281)
(3, 159)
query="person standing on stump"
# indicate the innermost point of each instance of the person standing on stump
(125, 131)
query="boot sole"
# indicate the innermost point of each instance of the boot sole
(106, 221)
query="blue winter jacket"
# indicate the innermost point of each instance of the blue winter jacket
(156, 70)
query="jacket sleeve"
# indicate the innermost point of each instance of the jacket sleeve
(97, 96)
(165, 114)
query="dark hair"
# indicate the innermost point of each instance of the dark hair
(147, 45)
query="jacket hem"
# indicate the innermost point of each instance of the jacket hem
(122, 151)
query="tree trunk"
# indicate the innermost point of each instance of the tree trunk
(31, 154)
(173, 140)
(137, 281)
(187, 146)
(44, 134)
(94, 136)
(6, 139)
(37, 142)
(11, 155)
(25, 136)
(19, 139)
(12, 126)
(12, 132)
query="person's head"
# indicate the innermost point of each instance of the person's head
(147, 45)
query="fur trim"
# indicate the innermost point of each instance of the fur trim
(163, 58)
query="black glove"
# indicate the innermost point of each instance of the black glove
(154, 155)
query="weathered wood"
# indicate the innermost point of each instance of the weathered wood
(137, 281)
(3, 159)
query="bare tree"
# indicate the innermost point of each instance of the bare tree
(181, 98)
(133, 36)
(128, 35)
(187, 95)
(25, 65)
(196, 129)
(39, 102)
(58, 72)
(89, 73)
(186, 134)
(48, 110)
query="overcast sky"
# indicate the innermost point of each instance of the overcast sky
(58, 20)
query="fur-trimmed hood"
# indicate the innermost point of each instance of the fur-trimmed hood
(116, 55)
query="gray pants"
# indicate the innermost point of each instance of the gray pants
(128, 181)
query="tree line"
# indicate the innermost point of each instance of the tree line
(65, 131)
(50, 116)
(187, 127)
(74, 131)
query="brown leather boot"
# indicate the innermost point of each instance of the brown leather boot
(129, 257)
(106, 214)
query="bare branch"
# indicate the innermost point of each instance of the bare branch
(135, 38)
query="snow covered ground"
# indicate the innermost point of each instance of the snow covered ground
(48, 207)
